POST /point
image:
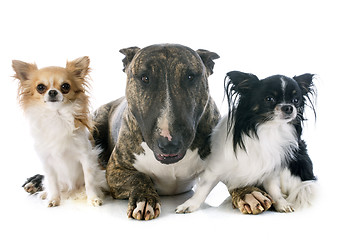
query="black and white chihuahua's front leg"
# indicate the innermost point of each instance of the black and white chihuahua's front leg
(207, 182)
(273, 186)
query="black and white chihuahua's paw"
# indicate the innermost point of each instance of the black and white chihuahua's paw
(34, 184)
(283, 206)
(188, 207)
(95, 201)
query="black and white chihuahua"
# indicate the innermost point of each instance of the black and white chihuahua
(259, 142)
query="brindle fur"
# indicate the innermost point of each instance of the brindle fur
(119, 145)
(238, 198)
(119, 151)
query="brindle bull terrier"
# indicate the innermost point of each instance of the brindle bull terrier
(155, 139)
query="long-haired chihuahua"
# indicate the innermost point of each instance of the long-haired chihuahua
(55, 101)
(259, 142)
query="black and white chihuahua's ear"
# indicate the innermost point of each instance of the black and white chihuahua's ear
(305, 82)
(240, 82)
(23, 69)
(79, 67)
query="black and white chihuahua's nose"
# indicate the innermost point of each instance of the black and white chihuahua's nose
(52, 93)
(287, 109)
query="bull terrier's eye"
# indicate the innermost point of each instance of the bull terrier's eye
(144, 79)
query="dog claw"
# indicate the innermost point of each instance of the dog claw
(95, 202)
(53, 203)
(267, 204)
(259, 207)
(251, 202)
(138, 216)
(283, 206)
(144, 211)
(248, 209)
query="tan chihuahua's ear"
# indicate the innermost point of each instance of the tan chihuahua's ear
(23, 69)
(79, 67)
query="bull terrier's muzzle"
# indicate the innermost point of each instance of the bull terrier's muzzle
(170, 150)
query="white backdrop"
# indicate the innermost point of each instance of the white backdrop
(261, 37)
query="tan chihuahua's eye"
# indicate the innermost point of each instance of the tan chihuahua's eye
(65, 88)
(41, 88)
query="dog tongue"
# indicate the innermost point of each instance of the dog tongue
(168, 155)
(169, 158)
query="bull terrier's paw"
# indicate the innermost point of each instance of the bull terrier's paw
(144, 211)
(33, 184)
(96, 201)
(283, 206)
(54, 202)
(187, 207)
(254, 202)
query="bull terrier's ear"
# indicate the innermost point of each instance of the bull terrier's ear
(129, 55)
(305, 83)
(207, 57)
(239, 82)
(79, 67)
(22, 69)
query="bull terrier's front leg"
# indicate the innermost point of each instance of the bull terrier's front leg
(250, 200)
(144, 201)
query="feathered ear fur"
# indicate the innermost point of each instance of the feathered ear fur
(207, 57)
(23, 69)
(79, 67)
(129, 55)
(305, 82)
(237, 84)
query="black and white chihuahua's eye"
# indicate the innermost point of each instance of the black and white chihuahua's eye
(41, 88)
(65, 88)
(145, 79)
(270, 99)
(295, 100)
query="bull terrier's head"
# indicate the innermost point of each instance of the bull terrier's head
(167, 92)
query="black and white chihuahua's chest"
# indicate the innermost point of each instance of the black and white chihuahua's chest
(265, 153)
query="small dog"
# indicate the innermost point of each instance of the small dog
(259, 142)
(54, 100)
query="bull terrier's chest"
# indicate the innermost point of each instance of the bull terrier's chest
(174, 178)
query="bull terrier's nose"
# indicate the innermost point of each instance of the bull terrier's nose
(169, 147)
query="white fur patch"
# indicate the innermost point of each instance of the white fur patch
(166, 117)
(170, 178)
(299, 193)
(283, 85)
(68, 159)
(163, 125)
(262, 158)
(259, 163)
